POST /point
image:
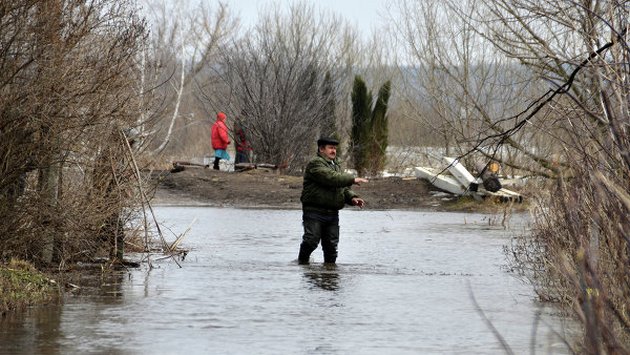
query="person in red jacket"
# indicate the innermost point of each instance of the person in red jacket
(220, 140)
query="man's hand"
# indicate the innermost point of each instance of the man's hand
(359, 181)
(357, 201)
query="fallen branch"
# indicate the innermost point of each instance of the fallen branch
(181, 236)
(250, 166)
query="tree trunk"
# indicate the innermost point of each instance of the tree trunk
(49, 18)
(49, 175)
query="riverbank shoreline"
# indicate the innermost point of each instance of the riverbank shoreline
(266, 189)
(262, 188)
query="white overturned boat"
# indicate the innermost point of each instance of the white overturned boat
(441, 179)
(456, 179)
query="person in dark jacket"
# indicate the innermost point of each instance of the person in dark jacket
(325, 191)
(241, 144)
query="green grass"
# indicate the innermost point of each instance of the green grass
(21, 285)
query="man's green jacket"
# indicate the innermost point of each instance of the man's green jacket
(326, 188)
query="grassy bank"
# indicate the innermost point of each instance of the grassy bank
(21, 285)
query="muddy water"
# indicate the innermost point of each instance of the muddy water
(405, 283)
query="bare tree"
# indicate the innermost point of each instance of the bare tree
(182, 47)
(463, 88)
(572, 58)
(274, 80)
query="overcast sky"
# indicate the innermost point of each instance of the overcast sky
(364, 14)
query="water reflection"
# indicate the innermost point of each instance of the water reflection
(35, 337)
(325, 277)
(107, 285)
(39, 330)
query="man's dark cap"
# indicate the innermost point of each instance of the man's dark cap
(327, 140)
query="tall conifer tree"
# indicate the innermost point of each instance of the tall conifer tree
(361, 116)
(369, 127)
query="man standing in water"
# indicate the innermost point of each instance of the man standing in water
(326, 189)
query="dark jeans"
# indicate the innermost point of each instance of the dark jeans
(314, 231)
(241, 157)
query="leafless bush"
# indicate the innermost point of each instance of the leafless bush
(578, 256)
(68, 81)
(579, 251)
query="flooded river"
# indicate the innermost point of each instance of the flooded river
(405, 283)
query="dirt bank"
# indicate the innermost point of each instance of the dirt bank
(265, 188)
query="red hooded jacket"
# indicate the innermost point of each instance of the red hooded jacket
(219, 133)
